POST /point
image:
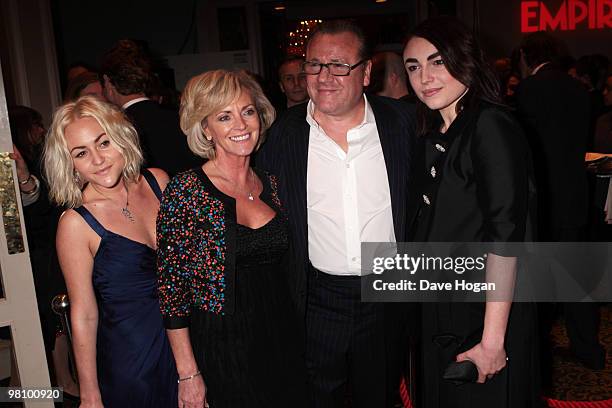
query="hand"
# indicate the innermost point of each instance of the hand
(192, 393)
(22, 167)
(489, 360)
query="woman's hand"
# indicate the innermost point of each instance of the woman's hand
(22, 168)
(192, 393)
(489, 360)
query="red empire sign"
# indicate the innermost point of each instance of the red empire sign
(590, 14)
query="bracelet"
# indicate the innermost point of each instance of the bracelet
(191, 377)
(26, 181)
(33, 189)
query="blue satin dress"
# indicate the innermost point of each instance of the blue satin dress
(135, 363)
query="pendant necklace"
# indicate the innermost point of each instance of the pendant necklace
(250, 193)
(125, 210)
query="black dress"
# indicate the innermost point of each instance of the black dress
(249, 358)
(134, 360)
(476, 189)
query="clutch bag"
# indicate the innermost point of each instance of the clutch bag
(461, 373)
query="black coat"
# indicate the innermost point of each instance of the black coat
(476, 188)
(163, 142)
(554, 111)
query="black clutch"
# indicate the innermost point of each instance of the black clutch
(461, 373)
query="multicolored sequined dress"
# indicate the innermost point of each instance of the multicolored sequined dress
(226, 282)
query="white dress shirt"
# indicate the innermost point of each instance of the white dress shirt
(348, 197)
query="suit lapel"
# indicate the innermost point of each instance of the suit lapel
(396, 162)
(297, 171)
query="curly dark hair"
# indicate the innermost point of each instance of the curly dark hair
(128, 68)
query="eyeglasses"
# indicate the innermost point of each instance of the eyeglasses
(335, 68)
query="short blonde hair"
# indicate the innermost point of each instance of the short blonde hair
(57, 161)
(210, 92)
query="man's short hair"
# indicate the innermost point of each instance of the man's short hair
(383, 64)
(540, 47)
(128, 68)
(333, 27)
(288, 59)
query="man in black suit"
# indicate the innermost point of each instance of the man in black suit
(554, 109)
(126, 75)
(342, 162)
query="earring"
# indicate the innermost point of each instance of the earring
(77, 178)
(202, 127)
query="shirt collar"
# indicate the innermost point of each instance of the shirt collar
(539, 67)
(368, 116)
(134, 101)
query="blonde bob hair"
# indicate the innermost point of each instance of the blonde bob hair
(65, 188)
(210, 92)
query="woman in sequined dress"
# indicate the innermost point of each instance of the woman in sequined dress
(222, 237)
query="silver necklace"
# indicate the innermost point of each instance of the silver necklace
(250, 193)
(125, 210)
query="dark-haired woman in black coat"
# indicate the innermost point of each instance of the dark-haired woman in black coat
(475, 189)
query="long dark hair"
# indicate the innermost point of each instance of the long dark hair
(464, 60)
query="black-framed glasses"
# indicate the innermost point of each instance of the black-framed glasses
(335, 68)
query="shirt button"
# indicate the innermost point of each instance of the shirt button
(354, 258)
(426, 199)
(433, 172)
(440, 148)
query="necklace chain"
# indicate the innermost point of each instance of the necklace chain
(125, 210)
(253, 184)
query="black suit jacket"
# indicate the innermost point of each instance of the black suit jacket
(163, 142)
(285, 154)
(554, 110)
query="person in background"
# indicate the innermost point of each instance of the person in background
(388, 77)
(126, 74)
(223, 237)
(41, 217)
(591, 71)
(77, 68)
(603, 127)
(106, 248)
(554, 110)
(509, 84)
(475, 189)
(87, 83)
(292, 80)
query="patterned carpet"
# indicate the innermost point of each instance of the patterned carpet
(572, 381)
